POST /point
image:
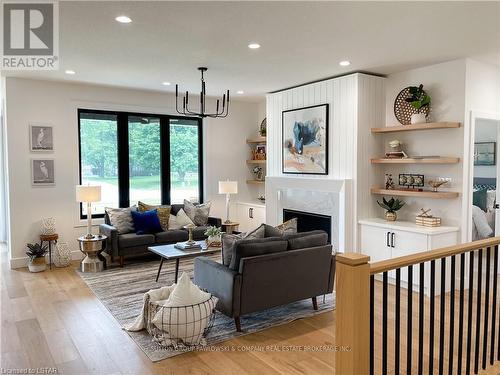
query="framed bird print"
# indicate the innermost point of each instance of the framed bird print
(42, 172)
(41, 138)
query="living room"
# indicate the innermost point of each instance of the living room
(249, 209)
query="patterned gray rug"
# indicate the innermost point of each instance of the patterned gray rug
(121, 291)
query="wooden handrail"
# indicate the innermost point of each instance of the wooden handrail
(408, 260)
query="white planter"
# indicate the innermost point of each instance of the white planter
(418, 118)
(37, 265)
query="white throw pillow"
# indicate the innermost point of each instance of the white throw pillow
(186, 313)
(179, 221)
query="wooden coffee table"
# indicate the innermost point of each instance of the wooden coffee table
(169, 252)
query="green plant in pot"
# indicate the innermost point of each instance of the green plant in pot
(391, 206)
(36, 254)
(420, 101)
(213, 236)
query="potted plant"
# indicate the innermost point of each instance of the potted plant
(391, 206)
(419, 100)
(36, 253)
(213, 236)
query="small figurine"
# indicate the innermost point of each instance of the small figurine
(389, 183)
(436, 183)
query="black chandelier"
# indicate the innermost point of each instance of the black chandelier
(224, 111)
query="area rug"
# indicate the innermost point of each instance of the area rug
(121, 291)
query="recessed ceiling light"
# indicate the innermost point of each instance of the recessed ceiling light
(254, 45)
(240, 92)
(123, 19)
(70, 72)
(345, 63)
(165, 83)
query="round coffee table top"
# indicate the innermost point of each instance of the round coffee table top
(49, 237)
(95, 238)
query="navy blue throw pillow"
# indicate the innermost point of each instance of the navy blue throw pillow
(146, 222)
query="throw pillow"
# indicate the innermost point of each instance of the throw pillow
(162, 211)
(198, 213)
(480, 199)
(287, 228)
(121, 218)
(229, 242)
(179, 221)
(146, 222)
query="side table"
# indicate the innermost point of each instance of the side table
(230, 227)
(49, 238)
(92, 248)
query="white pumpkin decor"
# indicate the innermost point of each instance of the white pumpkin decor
(48, 226)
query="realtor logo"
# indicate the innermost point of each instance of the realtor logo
(30, 37)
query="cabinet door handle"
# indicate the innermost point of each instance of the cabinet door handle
(250, 213)
(387, 239)
(393, 236)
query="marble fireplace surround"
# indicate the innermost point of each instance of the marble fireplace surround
(312, 195)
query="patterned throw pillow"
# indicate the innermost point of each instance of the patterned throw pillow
(121, 219)
(198, 213)
(229, 242)
(179, 221)
(288, 227)
(163, 213)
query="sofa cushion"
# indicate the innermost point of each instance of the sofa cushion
(306, 239)
(171, 236)
(198, 213)
(146, 222)
(121, 218)
(229, 242)
(132, 240)
(163, 212)
(199, 233)
(253, 247)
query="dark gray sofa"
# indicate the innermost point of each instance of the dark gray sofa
(269, 272)
(121, 245)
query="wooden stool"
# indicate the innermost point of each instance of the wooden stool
(49, 238)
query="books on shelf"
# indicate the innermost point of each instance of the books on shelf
(186, 246)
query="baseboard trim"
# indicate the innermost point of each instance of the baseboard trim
(22, 262)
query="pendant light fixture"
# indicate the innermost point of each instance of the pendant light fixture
(220, 110)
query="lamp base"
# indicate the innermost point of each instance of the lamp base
(89, 236)
(227, 221)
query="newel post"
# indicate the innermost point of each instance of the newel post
(352, 317)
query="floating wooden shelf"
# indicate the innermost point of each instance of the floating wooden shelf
(426, 126)
(257, 140)
(417, 194)
(441, 160)
(256, 182)
(256, 162)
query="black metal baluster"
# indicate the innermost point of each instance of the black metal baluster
(486, 305)
(409, 320)
(461, 314)
(372, 326)
(431, 317)
(478, 309)
(421, 320)
(384, 323)
(441, 315)
(469, 312)
(452, 316)
(397, 321)
(494, 307)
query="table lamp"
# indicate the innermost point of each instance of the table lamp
(88, 194)
(228, 188)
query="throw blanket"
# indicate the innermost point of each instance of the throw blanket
(153, 295)
(480, 226)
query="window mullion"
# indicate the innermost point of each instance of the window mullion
(165, 159)
(123, 160)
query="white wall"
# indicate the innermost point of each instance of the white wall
(486, 131)
(3, 171)
(56, 103)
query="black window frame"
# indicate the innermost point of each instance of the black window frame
(123, 154)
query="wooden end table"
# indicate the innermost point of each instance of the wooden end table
(49, 238)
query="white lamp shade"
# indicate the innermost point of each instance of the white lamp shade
(87, 193)
(228, 187)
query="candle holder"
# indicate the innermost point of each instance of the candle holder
(190, 240)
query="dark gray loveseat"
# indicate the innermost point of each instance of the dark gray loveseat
(121, 245)
(269, 272)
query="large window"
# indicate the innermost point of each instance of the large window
(152, 158)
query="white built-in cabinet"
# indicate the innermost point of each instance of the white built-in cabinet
(250, 215)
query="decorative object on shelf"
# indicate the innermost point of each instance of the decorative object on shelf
(305, 140)
(42, 172)
(410, 180)
(88, 194)
(262, 198)
(485, 153)
(404, 109)
(395, 151)
(224, 109)
(92, 248)
(228, 188)
(391, 206)
(62, 255)
(418, 99)
(41, 138)
(213, 236)
(395, 145)
(389, 183)
(48, 226)
(36, 254)
(435, 184)
(263, 128)
(260, 151)
(259, 173)
(426, 219)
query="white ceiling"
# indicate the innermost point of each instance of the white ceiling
(301, 41)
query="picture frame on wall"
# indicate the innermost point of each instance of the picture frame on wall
(41, 138)
(485, 153)
(305, 140)
(43, 172)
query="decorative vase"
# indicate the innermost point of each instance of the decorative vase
(390, 216)
(62, 255)
(37, 264)
(418, 118)
(48, 226)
